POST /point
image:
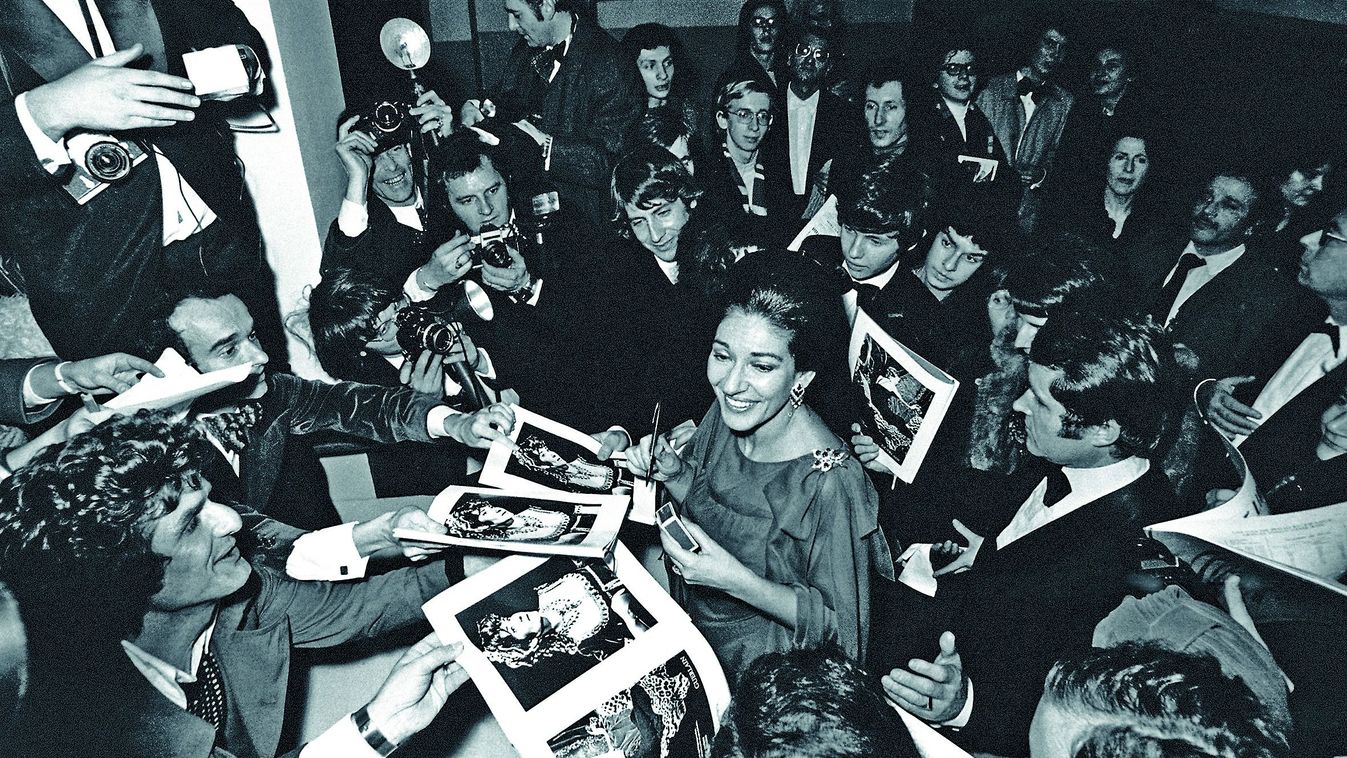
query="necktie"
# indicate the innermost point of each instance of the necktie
(544, 60)
(206, 696)
(1058, 487)
(1027, 86)
(93, 33)
(1170, 292)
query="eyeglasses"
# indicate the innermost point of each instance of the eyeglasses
(956, 69)
(747, 117)
(819, 54)
(763, 22)
(1331, 236)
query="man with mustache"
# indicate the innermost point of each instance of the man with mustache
(1219, 298)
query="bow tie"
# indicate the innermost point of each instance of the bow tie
(230, 427)
(1027, 86)
(866, 293)
(1058, 487)
(543, 60)
(1334, 333)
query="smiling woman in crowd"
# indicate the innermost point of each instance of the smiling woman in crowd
(785, 517)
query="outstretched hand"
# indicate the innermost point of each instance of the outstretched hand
(1227, 414)
(932, 690)
(417, 688)
(114, 372)
(106, 95)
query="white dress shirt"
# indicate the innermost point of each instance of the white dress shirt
(800, 118)
(353, 218)
(1201, 275)
(670, 269)
(1309, 363)
(184, 212)
(960, 113)
(1087, 486)
(1029, 107)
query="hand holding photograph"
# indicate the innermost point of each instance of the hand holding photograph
(525, 522)
(552, 457)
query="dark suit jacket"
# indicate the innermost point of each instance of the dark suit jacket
(12, 408)
(387, 247)
(282, 482)
(91, 269)
(1284, 443)
(721, 197)
(1023, 607)
(1245, 321)
(936, 144)
(254, 635)
(1033, 157)
(588, 108)
(835, 129)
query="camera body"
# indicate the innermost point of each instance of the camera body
(389, 122)
(419, 330)
(97, 160)
(490, 247)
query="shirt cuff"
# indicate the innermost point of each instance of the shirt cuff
(341, 740)
(52, 153)
(537, 292)
(414, 291)
(327, 555)
(1201, 412)
(353, 218)
(30, 397)
(488, 371)
(435, 420)
(961, 720)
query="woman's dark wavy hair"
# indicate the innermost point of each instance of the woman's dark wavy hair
(645, 176)
(784, 290)
(1146, 700)
(342, 308)
(1114, 368)
(73, 530)
(650, 36)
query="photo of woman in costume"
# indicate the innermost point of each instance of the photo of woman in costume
(553, 624)
(897, 401)
(559, 464)
(664, 714)
(512, 519)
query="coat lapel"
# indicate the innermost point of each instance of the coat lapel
(132, 21)
(35, 34)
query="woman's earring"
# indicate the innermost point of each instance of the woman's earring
(797, 396)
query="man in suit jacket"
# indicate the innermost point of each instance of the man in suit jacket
(216, 333)
(185, 649)
(568, 86)
(1028, 113)
(1049, 569)
(180, 215)
(814, 124)
(1217, 297)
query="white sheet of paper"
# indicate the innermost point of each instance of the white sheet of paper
(823, 224)
(918, 573)
(180, 384)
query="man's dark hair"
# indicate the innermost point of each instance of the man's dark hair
(662, 127)
(74, 526)
(159, 335)
(578, 7)
(1145, 700)
(810, 702)
(651, 36)
(1114, 368)
(882, 198)
(990, 228)
(886, 70)
(1060, 271)
(1261, 206)
(463, 153)
(342, 309)
(1303, 148)
(648, 175)
(1032, 31)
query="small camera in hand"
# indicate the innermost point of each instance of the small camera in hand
(419, 330)
(491, 247)
(97, 160)
(388, 122)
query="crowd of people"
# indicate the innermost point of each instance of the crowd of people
(591, 240)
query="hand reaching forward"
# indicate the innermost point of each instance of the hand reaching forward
(416, 689)
(105, 95)
(966, 556)
(932, 690)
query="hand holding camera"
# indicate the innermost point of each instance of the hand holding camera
(432, 114)
(511, 277)
(449, 263)
(356, 150)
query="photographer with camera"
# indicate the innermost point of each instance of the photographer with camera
(119, 175)
(381, 151)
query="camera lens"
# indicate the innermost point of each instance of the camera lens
(495, 254)
(387, 116)
(107, 161)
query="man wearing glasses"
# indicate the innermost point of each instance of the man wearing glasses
(745, 189)
(815, 118)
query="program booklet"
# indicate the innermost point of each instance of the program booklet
(579, 658)
(525, 522)
(906, 397)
